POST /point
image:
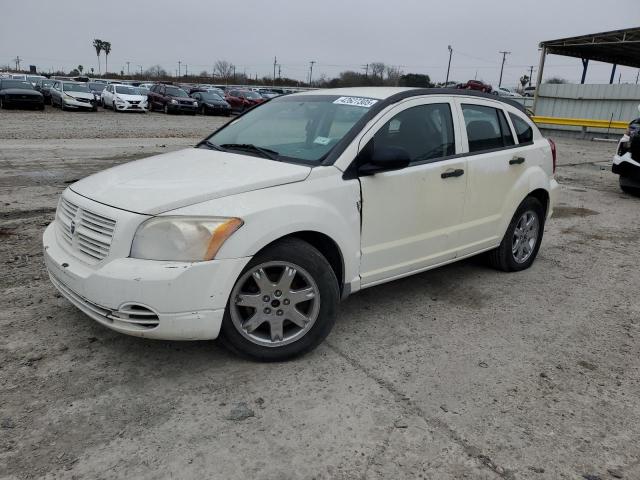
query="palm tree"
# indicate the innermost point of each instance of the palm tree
(106, 46)
(98, 45)
(80, 68)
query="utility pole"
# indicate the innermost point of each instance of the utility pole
(504, 58)
(448, 66)
(638, 76)
(179, 62)
(234, 74)
(366, 70)
(275, 62)
(17, 60)
(530, 73)
(140, 70)
(311, 64)
(186, 70)
(279, 72)
(128, 68)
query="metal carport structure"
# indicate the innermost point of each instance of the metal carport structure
(618, 47)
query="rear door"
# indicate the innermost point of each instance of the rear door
(495, 167)
(410, 217)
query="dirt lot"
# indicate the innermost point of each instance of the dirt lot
(462, 372)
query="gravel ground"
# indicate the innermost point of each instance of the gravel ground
(461, 372)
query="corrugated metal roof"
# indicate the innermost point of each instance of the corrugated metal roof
(621, 47)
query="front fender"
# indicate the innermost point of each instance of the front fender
(322, 203)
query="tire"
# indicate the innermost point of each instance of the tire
(504, 258)
(104, 105)
(113, 106)
(203, 111)
(166, 108)
(62, 105)
(316, 317)
(149, 105)
(627, 188)
(2, 105)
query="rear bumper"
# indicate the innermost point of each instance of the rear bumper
(554, 189)
(186, 301)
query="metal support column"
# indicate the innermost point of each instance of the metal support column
(585, 65)
(613, 73)
(543, 56)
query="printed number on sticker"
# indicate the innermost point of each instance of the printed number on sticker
(356, 101)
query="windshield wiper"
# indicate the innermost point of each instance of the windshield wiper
(249, 147)
(211, 145)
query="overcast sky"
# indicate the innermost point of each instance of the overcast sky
(337, 34)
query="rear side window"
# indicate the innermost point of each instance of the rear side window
(425, 132)
(487, 128)
(523, 129)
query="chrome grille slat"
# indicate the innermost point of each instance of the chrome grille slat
(92, 235)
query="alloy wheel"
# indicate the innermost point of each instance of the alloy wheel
(274, 303)
(525, 236)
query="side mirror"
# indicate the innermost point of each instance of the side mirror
(385, 159)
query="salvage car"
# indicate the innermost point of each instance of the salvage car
(241, 100)
(211, 103)
(256, 233)
(171, 99)
(19, 93)
(44, 87)
(72, 96)
(123, 98)
(626, 162)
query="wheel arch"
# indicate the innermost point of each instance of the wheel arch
(327, 247)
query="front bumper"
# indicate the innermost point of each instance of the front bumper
(24, 102)
(182, 108)
(184, 301)
(627, 167)
(68, 103)
(127, 107)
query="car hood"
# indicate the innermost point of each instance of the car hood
(173, 180)
(88, 95)
(135, 98)
(21, 91)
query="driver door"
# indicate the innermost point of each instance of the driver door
(411, 217)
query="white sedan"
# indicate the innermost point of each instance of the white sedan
(506, 92)
(123, 98)
(258, 232)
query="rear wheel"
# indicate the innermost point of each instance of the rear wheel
(166, 108)
(283, 304)
(627, 186)
(2, 104)
(521, 242)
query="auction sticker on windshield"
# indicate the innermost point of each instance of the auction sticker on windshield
(356, 101)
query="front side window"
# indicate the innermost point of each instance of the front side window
(524, 132)
(298, 129)
(487, 128)
(425, 132)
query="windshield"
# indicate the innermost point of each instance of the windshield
(33, 79)
(303, 129)
(16, 84)
(250, 95)
(46, 83)
(210, 96)
(75, 87)
(142, 90)
(97, 86)
(176, 92)
(124, 90)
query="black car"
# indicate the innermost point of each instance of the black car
(96, 88)
(44, 85)
(211, 103)
(19, 93)
(171, 99)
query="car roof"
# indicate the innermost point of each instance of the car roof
(391, 95)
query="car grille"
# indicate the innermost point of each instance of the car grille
(28, 98)
(184, 102)
(85, 232)
(131, 316)
(134, 102)
(83, 100)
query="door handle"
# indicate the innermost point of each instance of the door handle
(516, 161)
(458, 172)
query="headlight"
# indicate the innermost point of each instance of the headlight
(188, 239)
(175, 102)
(120, 100)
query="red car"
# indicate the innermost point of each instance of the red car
(476, 85)
(241, 100)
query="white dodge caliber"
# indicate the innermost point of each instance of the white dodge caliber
(257, 233)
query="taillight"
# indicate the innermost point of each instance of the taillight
(553, 154)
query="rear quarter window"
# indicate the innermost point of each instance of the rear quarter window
(524, 132)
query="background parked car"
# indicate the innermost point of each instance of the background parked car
(211, 103)
(73, 96)
(529, 91)
(506, 92)
(44, 87)
(19, 93)
(476, 85)
(123, 98)
(241, 100)
(171, 99)
(96, 88)
(34, 79)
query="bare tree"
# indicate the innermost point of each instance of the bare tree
(155, 71)
(377, 69)
(393, 75)
(223, 69)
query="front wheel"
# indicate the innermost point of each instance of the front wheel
(628, 186)
(166, 108)
(283, 304)
(521, 242)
